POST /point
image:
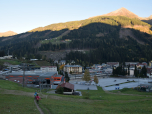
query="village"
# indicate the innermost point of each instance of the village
(47, 77)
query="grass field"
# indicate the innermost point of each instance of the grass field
(9, 85)
(53, 41)
(13, 104)
(42, 63)
(99, 103)
(13, 62)
(92, 102)
(56, 40)
(131, 91)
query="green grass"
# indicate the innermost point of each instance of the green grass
(53, 41)
(131, 91)
(56, 40)
(13, 104)
(99, 102)
(5, 84)
(42, 63)
(13, 62)
(92, 102)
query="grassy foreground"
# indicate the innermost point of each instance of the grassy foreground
(92, 102)
(99, 103)
(12, 104)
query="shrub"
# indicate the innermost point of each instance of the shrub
(60, 90)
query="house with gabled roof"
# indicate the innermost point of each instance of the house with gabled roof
(62, 62)
(68, 87)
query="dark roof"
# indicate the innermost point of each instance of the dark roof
(58, 76)
(72, 66)
(68, 85)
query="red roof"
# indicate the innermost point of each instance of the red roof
(67, 85)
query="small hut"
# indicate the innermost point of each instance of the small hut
(68, 87)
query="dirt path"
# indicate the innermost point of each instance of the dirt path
(16, 92)
(41, 112)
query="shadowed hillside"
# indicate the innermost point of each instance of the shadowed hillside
(103, 38)
(148, 21)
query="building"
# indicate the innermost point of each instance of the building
(56, 61)
(31, 77)
(131, 63)
(131, 72)
(96, 66)
(58, 79)
(113, 64)
(49, 69)
(62, 62)
(68, 87)
(75, 69)
(6, 57)
(141, 65)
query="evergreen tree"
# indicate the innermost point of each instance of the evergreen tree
(136, 71)
(67, 78)
(128, 69)
(144, 71)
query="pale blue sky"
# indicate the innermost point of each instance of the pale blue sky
(24, 15)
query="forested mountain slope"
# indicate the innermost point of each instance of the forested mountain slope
(106, 38)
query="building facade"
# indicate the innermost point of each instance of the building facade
(74, 69)
(49, 69)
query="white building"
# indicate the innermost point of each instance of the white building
(7, 57)
(49, 69)
(77, 69)
(131, 72)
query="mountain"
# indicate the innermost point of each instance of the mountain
(94, 40)
(147, 19)
(8, 33)
(122, 12)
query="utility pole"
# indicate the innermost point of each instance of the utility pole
(23, 74)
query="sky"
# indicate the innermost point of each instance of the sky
(23, 15)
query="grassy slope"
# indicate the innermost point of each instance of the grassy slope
(42, 63)
(99, 102)
(12, 104)
(13, 62)
(15, 104)
(13, 86)
(106, 104)
(131, 91)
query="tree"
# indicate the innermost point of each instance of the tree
(66, 77)
(144, 71)
(128, 69)
(136, 71)
(61, 67)
(96, 79)
(60, 90)
(86, 75)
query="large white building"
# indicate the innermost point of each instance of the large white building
(77, 69)
(49, 69)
